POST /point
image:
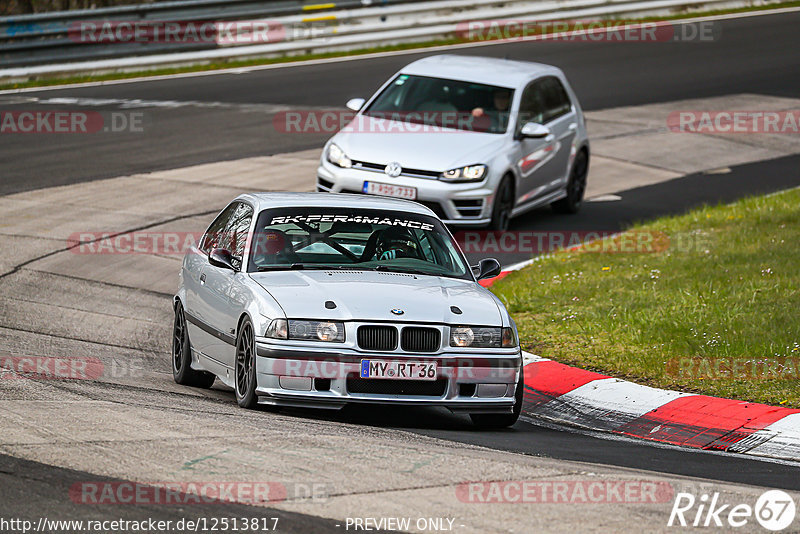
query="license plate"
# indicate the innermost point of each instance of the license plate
(386, 369)
(389, 190)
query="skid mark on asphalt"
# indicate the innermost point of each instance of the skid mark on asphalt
(19, 266)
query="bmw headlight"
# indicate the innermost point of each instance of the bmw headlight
(337, 156)
(306, 330)
(278, 329)
(482, 337)
(470, 173)
(316, 330)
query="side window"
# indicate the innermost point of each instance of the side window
(543, 101)
(531, 106)
(216, 231)
(556, 101)
(236, 232)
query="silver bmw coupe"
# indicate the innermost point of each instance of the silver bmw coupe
(320, 300)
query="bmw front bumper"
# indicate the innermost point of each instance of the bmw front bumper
(299, 376)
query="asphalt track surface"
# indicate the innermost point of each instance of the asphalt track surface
(756, 54)
(30, 491)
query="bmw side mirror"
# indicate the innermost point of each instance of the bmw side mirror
(487, 268)
(534, 130)
(220, 257)
(355, 104)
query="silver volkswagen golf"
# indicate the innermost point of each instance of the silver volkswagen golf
(478, 140)
(319, 300)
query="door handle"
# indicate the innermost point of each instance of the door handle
(572, 127)
(202, 278)
(549, 138)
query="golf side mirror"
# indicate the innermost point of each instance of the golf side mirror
(355, 104)
(534, 130)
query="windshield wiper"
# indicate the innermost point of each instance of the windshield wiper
(324, 267)
(406, 270)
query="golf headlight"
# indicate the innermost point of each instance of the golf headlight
(469, 173)
(337, 156)
(317, 330)
(482, 337)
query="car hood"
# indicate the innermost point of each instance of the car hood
(383, 141)
(371, 296)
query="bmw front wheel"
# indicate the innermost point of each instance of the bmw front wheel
(503, 420)
(245, 366)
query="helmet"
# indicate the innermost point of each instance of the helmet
(396, 242)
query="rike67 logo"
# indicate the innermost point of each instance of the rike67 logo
(774, 510)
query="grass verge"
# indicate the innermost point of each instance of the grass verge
(233, 64)
(713, 307)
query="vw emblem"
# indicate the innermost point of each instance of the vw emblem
(398, 311)
(393, 169)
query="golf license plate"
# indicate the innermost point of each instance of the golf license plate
(389, 369)
(389, 190)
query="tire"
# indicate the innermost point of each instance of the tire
(576, 186)
(503, 205)
(245, 367)
(182, 371)
(503, 420)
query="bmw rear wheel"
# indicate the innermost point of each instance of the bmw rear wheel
(182, 371)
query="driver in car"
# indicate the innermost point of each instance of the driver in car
(395, 242)
(497, 115)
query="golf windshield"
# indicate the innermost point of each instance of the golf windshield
(444, 103)
(349, 238)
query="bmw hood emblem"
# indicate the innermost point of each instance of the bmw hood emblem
(398, 311)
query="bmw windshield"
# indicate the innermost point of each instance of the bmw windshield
(347, 238)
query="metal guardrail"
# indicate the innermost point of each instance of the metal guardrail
(49, 37)
(345, 25)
